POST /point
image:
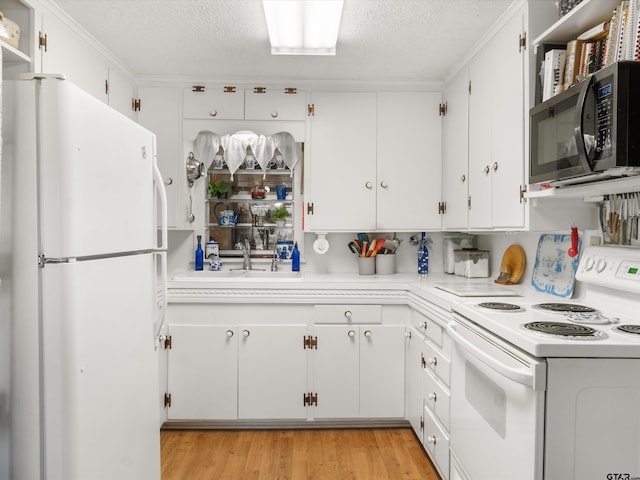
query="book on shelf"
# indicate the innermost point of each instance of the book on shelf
(572, 62)
(596, 32)
(554, 63)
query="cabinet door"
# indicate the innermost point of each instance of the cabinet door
(160, 113)
(382, 350)
(121, 92)
(455, 172)
(213, 103)
(272, 377)
(340, 172)
(480, 117)
(336, 373)
(202, 372)
(409, 160)
(414, 397)
(507, 129)
(69, 54)
(496, 130)
(274, 104)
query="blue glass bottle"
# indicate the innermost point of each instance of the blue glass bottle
(199, 254)
(423, 255)
(295, 258)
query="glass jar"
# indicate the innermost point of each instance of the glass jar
(258, 191)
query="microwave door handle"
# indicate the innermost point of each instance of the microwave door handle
(580, 143)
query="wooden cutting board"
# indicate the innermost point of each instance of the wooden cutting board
(512, 265)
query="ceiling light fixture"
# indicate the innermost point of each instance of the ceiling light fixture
(303, 27)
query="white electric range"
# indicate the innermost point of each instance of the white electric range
(551, 385)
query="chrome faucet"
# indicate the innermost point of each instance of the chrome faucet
(274, 260)
(246, 253)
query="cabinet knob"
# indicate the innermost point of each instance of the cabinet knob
(246, 333)
(495, 166)
(351, 333)
(423, 325)
(433, 361)
(213, 113)
(168, 181)
(431, 439)
(229, 333)
(383, 184)
(486, 169)
(348, 314)
(463, 178)
(369, 185)
(407, 334)
(367, 333)
(433, 396)
(274, 114)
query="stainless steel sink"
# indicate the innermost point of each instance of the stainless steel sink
(237, 275)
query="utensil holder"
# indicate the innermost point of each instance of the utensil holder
(386, 263)
(366, 265)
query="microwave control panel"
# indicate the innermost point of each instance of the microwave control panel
(604, 116)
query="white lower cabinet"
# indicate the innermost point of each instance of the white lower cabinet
(272, 372)
(203, 372)
(427, 384)
(359, 371)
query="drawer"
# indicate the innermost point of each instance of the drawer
(437, 398)
(348, 314)
(431, 329)
(436, 443)
(213, 103)
(436, 362)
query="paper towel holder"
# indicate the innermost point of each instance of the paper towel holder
(321, 245)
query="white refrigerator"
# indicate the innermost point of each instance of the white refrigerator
(88, 286)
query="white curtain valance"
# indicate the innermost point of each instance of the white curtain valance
(263, 147)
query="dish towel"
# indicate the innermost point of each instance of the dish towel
(206, 145)
(288, 147)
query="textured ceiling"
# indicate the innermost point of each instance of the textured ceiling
(379, 40)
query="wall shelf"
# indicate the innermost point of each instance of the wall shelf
(587, 190)
(584, 16)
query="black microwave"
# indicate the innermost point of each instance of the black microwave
(590, 131)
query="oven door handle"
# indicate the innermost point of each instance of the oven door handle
(523, 376)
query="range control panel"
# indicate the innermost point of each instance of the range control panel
(613, 267)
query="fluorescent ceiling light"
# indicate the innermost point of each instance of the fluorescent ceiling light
(303, 27)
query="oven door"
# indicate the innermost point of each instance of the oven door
(497, 406)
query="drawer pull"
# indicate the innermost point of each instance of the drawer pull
(213, 113)
(433, 361)
(351, 333)
(431, 439)
(433, 396)
(246, 333)
(423, 325)
(229, 333)
(274, 114)
(367, 333)
(348, 314)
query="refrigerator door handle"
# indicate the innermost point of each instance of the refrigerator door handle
(159, 184)
(161, 292)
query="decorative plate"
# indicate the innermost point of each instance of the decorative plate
(554, 271)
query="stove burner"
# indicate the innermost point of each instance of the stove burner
(564, 330)
(564, 307)
(508, 307)
(628, 329)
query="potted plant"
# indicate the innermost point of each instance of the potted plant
(221, 190)
(279, 215)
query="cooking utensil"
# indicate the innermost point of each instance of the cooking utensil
(194, 169)
(512, 265)
(573, 250)
(363, 237)
(353, 246)
(378, 244)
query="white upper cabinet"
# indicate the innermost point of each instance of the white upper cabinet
(340, 175)
(455, 169)
(409, 161)
(262, 103)
(160, 113)
(496, 130)
(371, 156)
(219, 103)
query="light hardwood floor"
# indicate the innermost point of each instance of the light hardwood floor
(318, 454)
